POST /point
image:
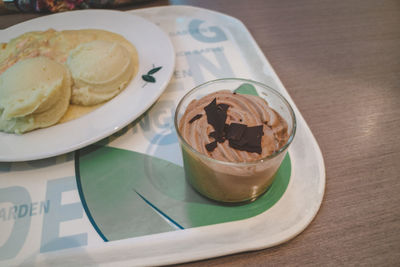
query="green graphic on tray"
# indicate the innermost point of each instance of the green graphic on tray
(128, 194)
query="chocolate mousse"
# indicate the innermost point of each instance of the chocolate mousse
(233, 141)
(233, 127)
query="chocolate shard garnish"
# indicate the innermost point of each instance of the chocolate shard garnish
(239, 135)
(213, 135)
(223, 107)
(217, 137)
(220, 139)
(198, 116)
(235, 131)
(247, 148)
(211, 146)
(216, 116)
(211, 112)
(221, 111)
(250, 140)
(254, 135)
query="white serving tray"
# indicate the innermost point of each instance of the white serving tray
(208, 45)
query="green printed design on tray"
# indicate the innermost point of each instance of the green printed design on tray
(131, 194)
(246, 89)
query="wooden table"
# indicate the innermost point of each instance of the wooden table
(340, 61)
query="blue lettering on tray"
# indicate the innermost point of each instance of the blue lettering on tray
(181, 74)
(18, 196)
(12, 212)
(207, 50)
(59, 213)
(22, 210)
(198, 62)
(217, 35)
(26, 209)
(186, 32)
(160, 120)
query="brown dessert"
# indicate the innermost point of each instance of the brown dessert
(232, 143)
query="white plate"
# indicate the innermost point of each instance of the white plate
(154, 48)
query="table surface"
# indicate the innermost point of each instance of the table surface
(340, 62)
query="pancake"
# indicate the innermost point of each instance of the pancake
(37, 100)
(99, 78)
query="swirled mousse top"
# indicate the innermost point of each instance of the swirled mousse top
(233, 127)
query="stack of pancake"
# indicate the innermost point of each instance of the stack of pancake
(53, 76)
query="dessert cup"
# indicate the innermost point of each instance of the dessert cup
(233, 182)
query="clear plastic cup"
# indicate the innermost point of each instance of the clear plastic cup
(233, 181)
